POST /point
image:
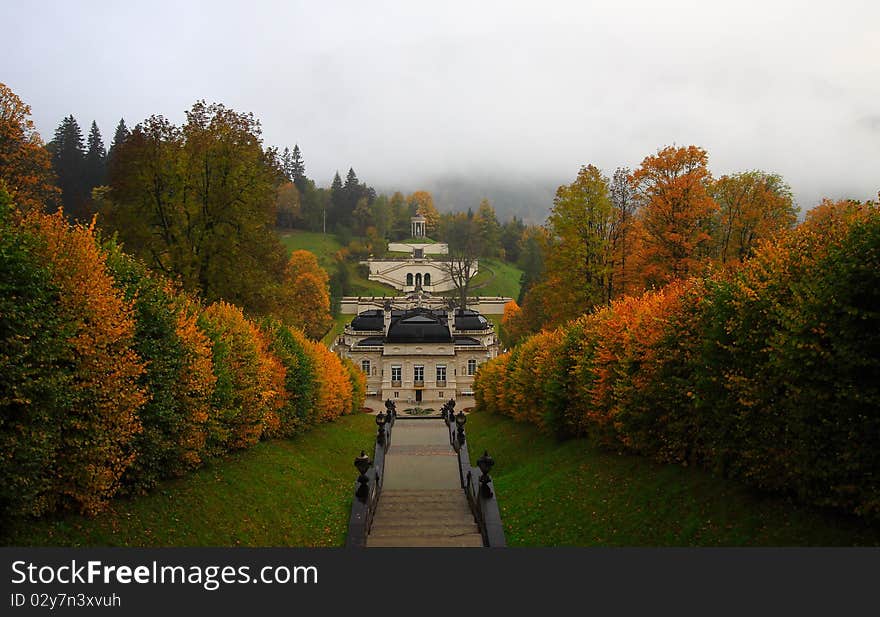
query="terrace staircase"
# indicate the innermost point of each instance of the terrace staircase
(422, 503)
(422, 491)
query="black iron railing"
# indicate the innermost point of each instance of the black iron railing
(368, 487)
(476, 481)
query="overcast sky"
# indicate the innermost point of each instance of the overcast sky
(408, 91)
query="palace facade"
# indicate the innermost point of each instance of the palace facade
(412, 353)
(421, 264)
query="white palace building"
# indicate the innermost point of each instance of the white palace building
(419, 266)
(414, 348)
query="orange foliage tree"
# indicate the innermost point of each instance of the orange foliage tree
(678, 213)
(305, 299)
(25, 165)
(334, 390)
(754, 206)
(769, 373)
(250, 381)
(102, 418)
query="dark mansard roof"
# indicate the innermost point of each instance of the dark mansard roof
(369, 320)
(470, 320)
(418, 326)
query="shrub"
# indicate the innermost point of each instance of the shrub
(98, 417)
(250, 382)
(770, 373)
(178, 375)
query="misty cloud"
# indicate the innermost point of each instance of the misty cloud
(489, 95)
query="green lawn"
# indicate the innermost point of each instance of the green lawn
(336, 329)
(571, 494)
(325, 246)
(293, 492)
(496, 278)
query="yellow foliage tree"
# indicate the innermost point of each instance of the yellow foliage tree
(305, 299)
(25, 166)
(103, 404)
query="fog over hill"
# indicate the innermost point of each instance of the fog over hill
(527, 198)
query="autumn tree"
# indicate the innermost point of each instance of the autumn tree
(489, 227)
(381, 216)
(754, 205)
(305, 301)
(25, 165)
(578, 259)
(511, 330)
(422, 202)
(678, 214)
(362, 216)
(624, 234)
(197, 203)
(250, 382)
(399, 227)
(288, 206)
(98, 413)
(178, 379)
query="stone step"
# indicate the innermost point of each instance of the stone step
(419, 512)
(468, 540)
(450, 529)
(413, 495)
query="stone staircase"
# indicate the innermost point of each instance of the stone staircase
(422, 502)
(424, 518)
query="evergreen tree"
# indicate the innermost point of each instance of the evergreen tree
(298, 169)
(286, 164)
(512, 239)
(95, 159)
(351, 194)
(120, 136)
(337, 198)
(68, 160)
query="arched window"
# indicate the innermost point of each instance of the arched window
(427, 278)
(409, 280)
(419, 279)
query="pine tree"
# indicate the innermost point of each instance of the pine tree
(337, 196)
(122, 133)
(286, 164)
(351, 193)
(68, 160)
(298, 169)
(95, 160)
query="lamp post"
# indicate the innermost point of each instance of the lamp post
(485, 463)
(362, 464)
(460, 421)
(380, 422)
(390, 411)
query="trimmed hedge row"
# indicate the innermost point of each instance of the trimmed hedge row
(770, 373)
(113, 378)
